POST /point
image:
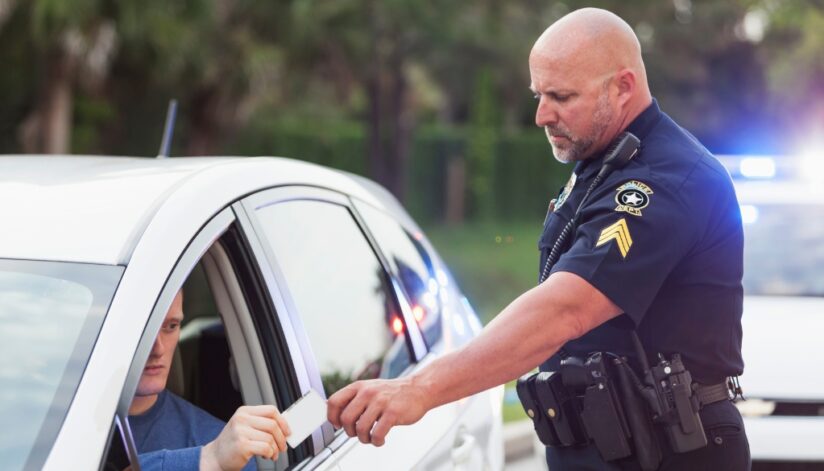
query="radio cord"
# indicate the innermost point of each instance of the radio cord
(617, 156)
(560, 243)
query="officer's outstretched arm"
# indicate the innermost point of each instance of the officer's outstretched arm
(523, 335)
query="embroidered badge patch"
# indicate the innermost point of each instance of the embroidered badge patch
(632, 197)
(619, 232)
(570, 184)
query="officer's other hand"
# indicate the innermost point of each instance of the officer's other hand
(369, 409)
(252, 431)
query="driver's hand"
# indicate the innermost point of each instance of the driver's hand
(252, 431)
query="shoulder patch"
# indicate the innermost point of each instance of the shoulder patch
(632, 197)
(619, 232)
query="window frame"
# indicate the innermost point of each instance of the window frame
(222, 229)
(297, 339)
(197, 247)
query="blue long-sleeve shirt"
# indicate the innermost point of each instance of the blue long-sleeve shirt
(171, 434)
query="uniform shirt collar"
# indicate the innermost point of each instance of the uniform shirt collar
(640, 127)
(644, 122)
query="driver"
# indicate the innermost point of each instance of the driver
(172, 433)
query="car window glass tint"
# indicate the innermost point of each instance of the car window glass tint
(340, 291)
(410, 264)
(51, 314)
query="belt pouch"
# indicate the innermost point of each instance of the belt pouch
(525, 387)
(561, 408)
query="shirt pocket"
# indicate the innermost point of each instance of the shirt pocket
(555, 223)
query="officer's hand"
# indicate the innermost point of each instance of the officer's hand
(252, 430)
(379, 403)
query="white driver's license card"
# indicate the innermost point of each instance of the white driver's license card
(304, 417)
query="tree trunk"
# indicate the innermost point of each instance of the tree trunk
(401, 129)
(389, 126)
(374, 128)
(206, 128)
(47, 129)
(455, 190)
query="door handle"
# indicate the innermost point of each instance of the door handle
(462, 450)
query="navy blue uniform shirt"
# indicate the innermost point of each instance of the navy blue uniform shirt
(662, 239)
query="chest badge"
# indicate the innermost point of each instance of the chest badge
(566, 191)
(632, 197)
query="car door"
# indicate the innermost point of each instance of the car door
(404, 247)
(243, 356)
(350, 317)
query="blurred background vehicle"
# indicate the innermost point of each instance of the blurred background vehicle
(782, 208)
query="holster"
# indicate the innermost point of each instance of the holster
(597, 401)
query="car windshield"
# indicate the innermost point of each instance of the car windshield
(783, 249)
(50, 316)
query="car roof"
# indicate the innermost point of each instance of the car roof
(93, 209)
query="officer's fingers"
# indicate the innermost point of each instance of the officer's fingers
(382, 428)
(350, 416)
(338, 402)
(367, 420)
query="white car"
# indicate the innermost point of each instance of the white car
(297, 277)
(783, 320)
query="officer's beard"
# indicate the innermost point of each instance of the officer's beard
(581, 148)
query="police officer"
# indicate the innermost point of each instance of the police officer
(657, 248)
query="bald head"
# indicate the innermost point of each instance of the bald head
(587, 63)
(594, 40)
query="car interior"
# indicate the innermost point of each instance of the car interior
(219, 360)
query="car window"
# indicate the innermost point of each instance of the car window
(50, 315)
(340, 291)
(411, 264)
(783, 253)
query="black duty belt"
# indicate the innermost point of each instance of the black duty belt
(710, 393)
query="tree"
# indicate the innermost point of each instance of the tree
(792, 49)
(75, 42)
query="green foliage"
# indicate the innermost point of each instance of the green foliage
(89, 115)
(481, 146)
(340, 145)
(522, 174)
(493, 263)
(463, 65)
(794, 46)
(51, 18)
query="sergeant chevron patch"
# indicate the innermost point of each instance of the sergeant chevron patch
(618, 231)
